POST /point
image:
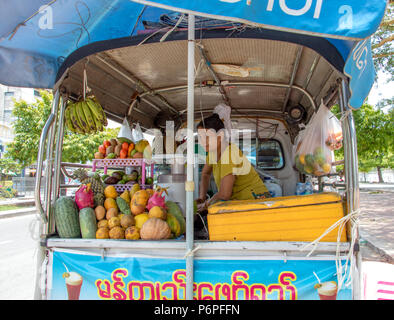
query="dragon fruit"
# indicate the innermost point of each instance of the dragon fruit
(84, 197)
(157, 199)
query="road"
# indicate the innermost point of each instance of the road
(17, 263)
(17, 247)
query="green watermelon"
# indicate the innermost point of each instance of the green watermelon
(66, 218)
(87, 222)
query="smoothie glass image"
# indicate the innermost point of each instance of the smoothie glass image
(73, 284)
(327, 290)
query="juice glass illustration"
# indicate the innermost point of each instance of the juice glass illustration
(327, 290)
(73, 284)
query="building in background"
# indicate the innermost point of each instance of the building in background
(7, 97)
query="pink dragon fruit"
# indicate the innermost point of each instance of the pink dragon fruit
(157, 199)
(84, 197)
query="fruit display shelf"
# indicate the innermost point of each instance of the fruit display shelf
(128, 162)
(122, 187)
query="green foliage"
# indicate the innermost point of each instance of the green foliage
(7, 192)
(30, 120)
(382, 43)
(375, 140)
(8, 165)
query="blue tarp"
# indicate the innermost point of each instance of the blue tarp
(35, 39)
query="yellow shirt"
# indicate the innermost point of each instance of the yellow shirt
(247, 184)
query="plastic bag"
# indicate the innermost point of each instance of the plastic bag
(314, 151)
(125, 134)
(137, 133)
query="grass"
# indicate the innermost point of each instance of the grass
(9, 207)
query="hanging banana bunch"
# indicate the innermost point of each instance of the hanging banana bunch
(85, 117)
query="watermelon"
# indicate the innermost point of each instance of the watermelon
(174, 210)
(87, 222)
(66, 218)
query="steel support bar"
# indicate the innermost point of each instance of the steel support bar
(293, 74)
(137, 82)
(190, 161)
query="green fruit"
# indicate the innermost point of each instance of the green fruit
(122, 173)
(87, 222)
(309, 160)
(132, 153)
(104, 176)
(111, 156)
(174, 225)
(149, 180)
(122, 182)
(66, 218)
(308, 169)
(121, 140)
(123, 205)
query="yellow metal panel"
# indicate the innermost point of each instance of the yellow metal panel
(294, 218)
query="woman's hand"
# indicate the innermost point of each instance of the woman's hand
(201, 204)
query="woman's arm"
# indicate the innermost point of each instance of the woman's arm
(225, 190)
(204, 183)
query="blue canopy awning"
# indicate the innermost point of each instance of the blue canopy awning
(37, 36)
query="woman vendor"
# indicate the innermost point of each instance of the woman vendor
(235, 177)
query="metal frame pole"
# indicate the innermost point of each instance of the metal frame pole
(190, 160)
(352, 183)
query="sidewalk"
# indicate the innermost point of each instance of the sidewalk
(27, 206)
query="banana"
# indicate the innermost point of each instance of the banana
(99, 125)
(89, 117)
(101, 110)
(74, 119)
(94, 108)
(67, 120)
(81, 117)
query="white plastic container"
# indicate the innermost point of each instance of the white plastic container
(274, 188)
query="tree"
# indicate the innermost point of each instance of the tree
(382, 43)
(30, 120)
(375, 141)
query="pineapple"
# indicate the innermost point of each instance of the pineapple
(83, 177)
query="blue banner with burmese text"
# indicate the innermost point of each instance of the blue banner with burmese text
(78, 276)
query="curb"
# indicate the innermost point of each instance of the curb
(15, 213)
(381, 252)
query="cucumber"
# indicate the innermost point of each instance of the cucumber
(174, 209)
(87, 222)
(66, 218)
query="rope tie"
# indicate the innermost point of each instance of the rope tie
(345, 114)
(163, 38)
(191, 252)
(341, 223)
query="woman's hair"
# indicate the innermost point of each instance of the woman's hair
(212, 122)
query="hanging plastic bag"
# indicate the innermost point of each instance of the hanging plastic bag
(137, 133)
(314, 151)
(125, 134)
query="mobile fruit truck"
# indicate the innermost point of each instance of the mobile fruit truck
(275, 64)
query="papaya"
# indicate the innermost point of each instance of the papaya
(110, 192)
(173, 209)
(174, 225)
(140, 220)
(87, 222)
(157, 212)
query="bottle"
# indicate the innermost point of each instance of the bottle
(274, 189)
(308, 188)
(300, 189)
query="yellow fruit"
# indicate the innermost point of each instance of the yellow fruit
(150, 192)
(141, 145)
(113, 222)
(132, 233)
(100, 212)
(110, 203)
(134, 189)
(116, 233)
(125, 196)
(140, 220)
(127, 220)
(102, 233)
(102, 224)
(326, 168)
(174, 225)
(112, 212)
(120, 216)
(302, 158)
(110, 192)
(157, 212)
(141, 197)
(136, 208)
